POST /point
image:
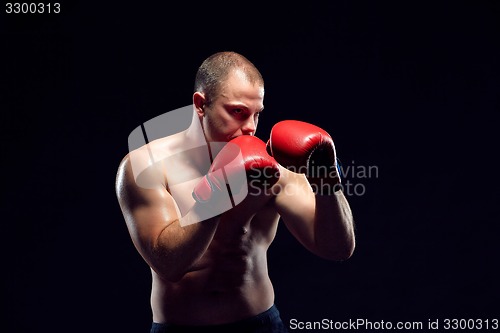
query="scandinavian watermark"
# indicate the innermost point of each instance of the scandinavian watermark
(158, 153)
(324, 180)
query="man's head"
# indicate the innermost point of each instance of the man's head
(228, 97)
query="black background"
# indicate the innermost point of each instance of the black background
(408, 87)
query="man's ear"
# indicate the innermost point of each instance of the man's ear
(199, 103)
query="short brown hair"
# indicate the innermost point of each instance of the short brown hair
(214, 70)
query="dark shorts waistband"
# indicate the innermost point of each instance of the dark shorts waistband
(267, 321)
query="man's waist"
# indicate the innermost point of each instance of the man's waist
(261, 319)
(211, 302)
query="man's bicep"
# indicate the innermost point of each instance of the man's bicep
(147, 211)
(148, 219)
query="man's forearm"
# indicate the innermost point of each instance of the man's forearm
(179, 247)
(334, 226)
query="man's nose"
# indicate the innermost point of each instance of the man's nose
(249, 126)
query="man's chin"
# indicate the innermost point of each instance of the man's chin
(235, 136)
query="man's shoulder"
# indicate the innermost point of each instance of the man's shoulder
(142, 167)
(150, 152)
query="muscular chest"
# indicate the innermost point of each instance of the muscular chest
(182, 172)
(250, 217)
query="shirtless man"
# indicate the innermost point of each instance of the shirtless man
(208, 261)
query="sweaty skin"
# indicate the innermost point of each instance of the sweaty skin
(215, 271)
(230, 280)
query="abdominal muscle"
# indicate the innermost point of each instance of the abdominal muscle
(230, 282)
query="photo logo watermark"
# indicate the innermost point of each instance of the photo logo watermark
(323, 179)
(355, 177)
(170, 152)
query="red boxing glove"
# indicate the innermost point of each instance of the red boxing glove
(305, 148)
(242, 157)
